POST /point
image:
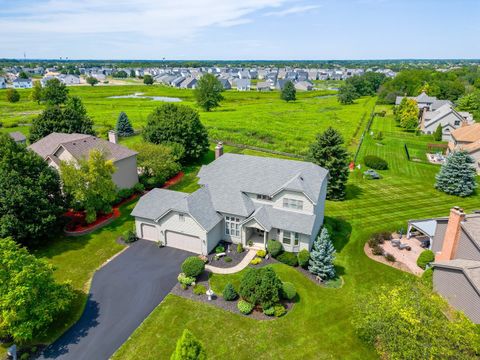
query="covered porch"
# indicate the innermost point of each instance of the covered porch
(422, 231)
(254, 234)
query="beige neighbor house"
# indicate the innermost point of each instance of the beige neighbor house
(467, 138)
(446, 117)
(424, 101)
(242, 199)
(455, 240)
(58, 147)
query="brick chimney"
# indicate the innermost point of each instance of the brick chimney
(112, 136)
(218, 150)
(452, 234)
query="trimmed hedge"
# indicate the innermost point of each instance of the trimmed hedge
(288, 290)
(375, 162)
(425, 258)
(274, 247)
(303, 258)
(288, 258)
(193, 266)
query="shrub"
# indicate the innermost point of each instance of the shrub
(227, 259)
(193, 266)
(219, 249)
(13, 95)
(425, 258)
(129, 236)
(261, 253)
(390, 257)
(229, 292)
(139, 188)
(303, 258)
(375, 162)
(185, 280)
(244, 307)
(279, 310)
(427, 278)
(240, 248)
(256, 261)
(124, 194)
(260, 287)
(269, 311)
(377, 250)
(288, 258)
(199, 289)
(274, 247)
(288, 290)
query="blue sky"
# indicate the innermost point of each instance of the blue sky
(239, 29)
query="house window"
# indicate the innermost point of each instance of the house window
(232, 226)
(457, 122)
(295, 241)
(264, 197)
(287, 237)
(292, 204)
(181, 217)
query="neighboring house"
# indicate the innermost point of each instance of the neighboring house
(264, 86)
(69, 79)
(225, 83)
(243, 199)
(58, 147)
(447, 117)
(304, 86)
(423, 100)
(22, 83)
(455, 240)
(189, 83)
(18, 137)
(467, 138)
(3, 83)
(243, 84)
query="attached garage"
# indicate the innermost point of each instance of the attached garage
(149, 232)
(183, 241)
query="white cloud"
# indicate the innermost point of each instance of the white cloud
(293, 10)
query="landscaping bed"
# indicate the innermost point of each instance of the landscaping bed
(231, 253)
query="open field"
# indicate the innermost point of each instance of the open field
(320, 324)
(253, 118)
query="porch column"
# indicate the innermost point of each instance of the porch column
(265, 239)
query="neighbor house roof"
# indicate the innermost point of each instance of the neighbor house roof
(18, 136)
(231, 176)
(468, 133)
(79, 146)
(470, 268)
(159, 202)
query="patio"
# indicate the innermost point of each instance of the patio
(407, 257)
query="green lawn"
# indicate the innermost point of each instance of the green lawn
(251, 118)
(319, 326)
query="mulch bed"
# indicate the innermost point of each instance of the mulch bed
(174, 180)
(233, 254)
(217, 300)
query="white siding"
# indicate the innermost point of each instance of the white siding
(214, 236)
(320, 214)
(228, 237)
(278, 201)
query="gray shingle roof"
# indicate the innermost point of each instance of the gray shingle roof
(470, 268)
(79, 145)
(18, 136)
(232, 175)
(159, 202)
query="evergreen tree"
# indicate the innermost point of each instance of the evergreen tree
(329, 152)
(124, 127)
(457, 175)
(347, 94)
(208, 92)
(188, 348)
(438, 133)
(322, 256)
(289, 93)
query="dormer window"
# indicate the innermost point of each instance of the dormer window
(292, 204)
(457, 122)
(264, 197)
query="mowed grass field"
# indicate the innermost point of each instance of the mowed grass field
(251, 118)
(319, 326)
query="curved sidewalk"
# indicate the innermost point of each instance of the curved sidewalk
(234, 269)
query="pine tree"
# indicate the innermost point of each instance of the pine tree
(289, 93)
(457, 175)
(438, 133)
(188, 348)
(124, 127)
(322, 256)
(329, 152)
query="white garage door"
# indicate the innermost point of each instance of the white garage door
(184, 242)
(149, 232)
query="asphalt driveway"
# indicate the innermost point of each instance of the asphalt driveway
(122, 295)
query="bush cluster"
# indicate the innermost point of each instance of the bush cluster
(219, 249)
(185, 280)
(240, 248)
(261, 253)
(279, 310)
(260, 287)
(245, 307)
(375, 162)
(269, 311)
(227, 259)
(303, 258)
(288, 290)
(199, 289)
(274, 247)
(288, 258)
(390, 257)
(379, 238)
(256, 261)
(193, 266)
(229, 293)
(129, 236)
(377, 250)
(425, 258)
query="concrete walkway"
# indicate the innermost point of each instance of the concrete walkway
(234, 269)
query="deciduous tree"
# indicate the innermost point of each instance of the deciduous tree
(55, 92)
(329, 152)
(457, 175)
(407, 114)
(347, 94)
(92, 80)
(31, 202)
(30, 300)
(172, 123)
(13, 95)
(208, 92)
(148, 79)
(37, 92)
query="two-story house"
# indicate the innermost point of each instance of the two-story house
(446, 117)
(467, 138)
(242, 199)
